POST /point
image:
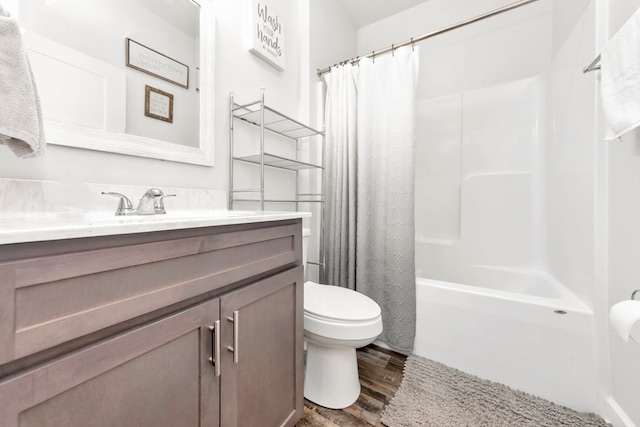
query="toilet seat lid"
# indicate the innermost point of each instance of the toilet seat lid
(334, 302)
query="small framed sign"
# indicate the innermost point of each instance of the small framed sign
(158, 104)
(267, 35)
(156, 64)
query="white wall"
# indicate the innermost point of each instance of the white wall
(624, 269)
(623, 174)
(333, 38)
(505, 48)
(236, 70)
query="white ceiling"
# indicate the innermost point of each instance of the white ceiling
(365, 12)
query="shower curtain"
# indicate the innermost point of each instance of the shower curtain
(340, 176)
(370, 187)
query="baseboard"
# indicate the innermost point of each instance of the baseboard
(382, 344)
(616, 415)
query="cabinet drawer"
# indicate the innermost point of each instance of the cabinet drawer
(53, 296)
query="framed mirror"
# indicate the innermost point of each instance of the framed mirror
(133, 77)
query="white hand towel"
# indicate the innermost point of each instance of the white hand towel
(21, 126)
(620, 84)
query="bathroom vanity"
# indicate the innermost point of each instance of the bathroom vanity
(153, 322)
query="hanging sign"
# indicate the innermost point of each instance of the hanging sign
(267, 34)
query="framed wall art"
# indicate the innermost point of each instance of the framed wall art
(156, 64)
(158, 104)
(267, 34)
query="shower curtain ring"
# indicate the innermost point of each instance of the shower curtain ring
(412, 45)
(373, 53)
(393, 53)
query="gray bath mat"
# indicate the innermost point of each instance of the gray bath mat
(432, 394)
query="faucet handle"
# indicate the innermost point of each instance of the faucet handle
(159, 203)
(125, 207)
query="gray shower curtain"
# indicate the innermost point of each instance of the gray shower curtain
(339, 236)
(370, 187)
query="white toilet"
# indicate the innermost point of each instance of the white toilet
(336, 322)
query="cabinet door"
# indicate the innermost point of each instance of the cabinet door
(262, 377)
(155, 375)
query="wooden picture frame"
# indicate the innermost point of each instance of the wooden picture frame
(158, 104)
(152, 62)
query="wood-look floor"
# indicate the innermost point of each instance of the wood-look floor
(380, 376)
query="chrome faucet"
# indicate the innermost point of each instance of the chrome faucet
(147, 204)
(151, 203)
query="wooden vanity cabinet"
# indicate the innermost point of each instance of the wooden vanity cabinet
(261, 381)
(155, 375)
(159, 368)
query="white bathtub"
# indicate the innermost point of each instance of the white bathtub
(538, 340)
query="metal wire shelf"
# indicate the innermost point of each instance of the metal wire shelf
(273, 120)
(267, 119)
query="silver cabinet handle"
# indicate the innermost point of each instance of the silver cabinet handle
(235, 320)
(215, 343)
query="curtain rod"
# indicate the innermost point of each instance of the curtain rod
(434, 33)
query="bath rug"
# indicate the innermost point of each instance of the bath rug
(433, 394)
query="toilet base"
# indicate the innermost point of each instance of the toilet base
(331, 376)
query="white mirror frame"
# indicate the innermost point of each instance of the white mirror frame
(101, 140)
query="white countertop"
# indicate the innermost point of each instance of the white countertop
(20, 228)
